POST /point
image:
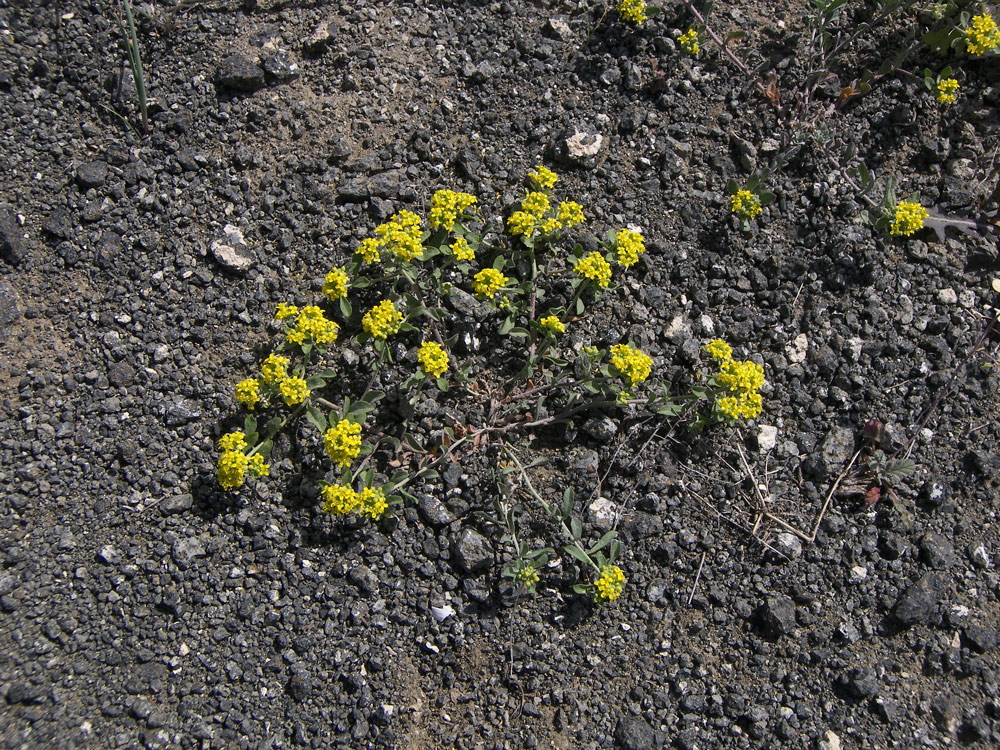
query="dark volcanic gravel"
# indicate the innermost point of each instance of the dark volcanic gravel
(140, 607)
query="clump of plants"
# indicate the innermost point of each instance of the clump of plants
(405, 300)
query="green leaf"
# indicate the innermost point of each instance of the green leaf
(575, 528)
(265, 448)
(604, 541)
(442, 384)
(272, 427)
(345, 307)
(249, 426)
(316, 418)
(315, 382)
(574, 551)
(569, 497)
(616, 550)
(506, 327)
(580, 307)
(670, 410)
(582, 588)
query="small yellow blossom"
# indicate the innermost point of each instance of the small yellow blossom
(527, 575)
(285, 311)
(719, 350)
(273, 369)
(632, 364)
(446, 207)
(983, 35)
(544, 177)
(908, 219)
(689, 42)
(521, 223)
(433, 358)
(947, 91)
(487, 282)
(335, 284)
(257, 467)
(233, 441)
(551, 225)
(461, 249)
(553, 324)
(745, 204)
(248, 393)
(594, 268)
(232, 469)
(632, 10)
(570, 214)
(630, 245)
(343, 442)
(536, 204)
(402, 236)
(371, 502)
(311, 325)
(610, 585)
(293, 390)
(369, 250)
(383, 320)
(339, 500)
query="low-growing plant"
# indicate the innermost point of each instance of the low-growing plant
(419, 289)
(134, 57)
(747, 202)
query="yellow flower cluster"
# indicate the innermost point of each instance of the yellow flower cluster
(689, 42)
(552, 323)
(745, 204)
(273, 369)
(343, 442)
(743, 378)
(383, 320)
(610, 585)
(311, 326)
(248, 393)
(285, 311)
(401, 236)
(447, 206)
(908, 219)
(527, 575)
(983, 35)
(544, 177)
(632, 10)
(570, 214)
(947, 91)
(293, 390)
(234, 462)
(335, 284)
(630, 245)
(594, 268)
(461, 249)
(339, 500)
(487, 282)
(633, 365)
(433, 358)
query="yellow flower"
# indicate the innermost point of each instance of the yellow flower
(401, 236)
(293, 390)
(594, 268)
(335, 284)
(233, 441)
(369, 250)
(232, 469)
(689, 42)
(544, 177)
(983, 35)
(257, 467)
(745, 204)
(383, 320)
(343, 442)
(536, 204)
(570, 214)
(947, 91)
(610, 585)
(433, 358)
(487, 282)
(741, 375)
(908, 219)
(632, 364)
(553, 324)
(339, 500)
(372, 502)
(248, 393)
(719, 350)
(551, 225)
(632, 10)
(521, 223)
(446, 207)
(461, 250)
(527, 575)
(312, 324)
(285, 311)
(630, 245)
(272, 370)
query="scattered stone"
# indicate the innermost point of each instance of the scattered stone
(108, 555)
(767, 438)
(579, 147)
(936, 551)
(944, 713)
(472, 551)
(232, 251)
(860, 683)
(364, 578)
(857, 575)
(12, 245)
(434, 511)
(635, 733)
(980, 638)
(186, 551)
(830, 741)
(602, 513)
(776, 616)
(93, 174)
(788, 545)
(934, 494)
(602, 429)
(9, 309)
(176, 504)
(796, 351)
(836, 450)
(947, 296)
(587, 461)
(848, 632)
(280, 66)
(919, 603)
(977, 552)
(340, 151)
(300, 687)
(59, 224)
(321, 38)
(885, 708)
(24, 692)
(240, 74)
(442, 613)
(557, 28)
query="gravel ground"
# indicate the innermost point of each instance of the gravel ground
(141, 607)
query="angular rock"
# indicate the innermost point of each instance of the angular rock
(176, 504)
(280, 66)
(936, 551)
(472, 551)
(434, 511)
(788, 545)
(635, 733)
(59, 224)
(776, 616)
(186, 551)
(557, 28)
(767, 438)
(602, 513)
(9, 309)
(919, 603)
(580, 147)
(12, 245)
(836, 450)
(93, 174)
(364, 578)
(602, 429)
(240, 74)
(980, 638)
(232, 251)
(860, 683)
(321, 38)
